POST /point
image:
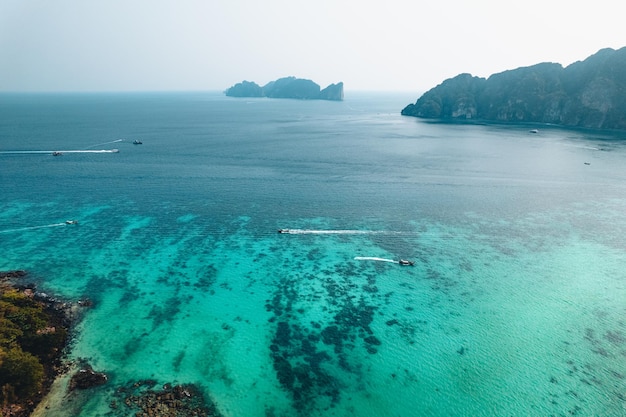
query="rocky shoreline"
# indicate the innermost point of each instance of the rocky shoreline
(141, 398)
(42, 348)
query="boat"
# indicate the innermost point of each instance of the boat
(71, 222)
(57, 153)
(283, 230)
(534, 131)
(137, 142)
(404, 262)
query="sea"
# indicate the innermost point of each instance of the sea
(515, 304)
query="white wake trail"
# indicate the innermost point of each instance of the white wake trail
(105, 143)
(373, 258)
(23, 229)
(60, 152)
(328, 232)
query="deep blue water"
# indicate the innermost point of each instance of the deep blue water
(515, 306)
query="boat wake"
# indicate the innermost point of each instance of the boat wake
(56, 153)
(328, 232)
(373, 258)
(105, 143)
(60, 152)
(23, 229)
(93, 151)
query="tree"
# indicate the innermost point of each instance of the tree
(21, 372)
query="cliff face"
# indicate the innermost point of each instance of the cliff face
(332, 92)
(589, 93)
(288, 87)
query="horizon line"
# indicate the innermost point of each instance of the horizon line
(175, 91)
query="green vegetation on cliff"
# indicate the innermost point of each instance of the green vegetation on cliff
(32, 337)
(287, 87)
(589, 93)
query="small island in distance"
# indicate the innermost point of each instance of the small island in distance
(287, 87)
(585, 94)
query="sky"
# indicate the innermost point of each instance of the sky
(199, 45)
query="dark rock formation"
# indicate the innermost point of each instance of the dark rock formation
(86, 378)
(288, 87)
(17, 273)
(179, 400)
(589, 93)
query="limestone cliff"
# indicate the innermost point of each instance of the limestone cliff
(589, 93)
(332, 92)
(288, 87)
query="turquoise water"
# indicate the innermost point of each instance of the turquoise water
(515, 305)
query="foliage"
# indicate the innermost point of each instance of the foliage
(287, 87)
(245, 89)
(21, 374)
(29, 338)
(589, 93)
(23, 311)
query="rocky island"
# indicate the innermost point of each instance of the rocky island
(288, 87)
(586, 94)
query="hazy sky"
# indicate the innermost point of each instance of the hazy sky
(392, 45)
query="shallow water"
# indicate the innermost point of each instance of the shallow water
(515, 305)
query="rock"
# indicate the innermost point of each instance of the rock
(85, 302)
(17, 273)
(173, 400)
(86, 378)
(332, 92)
(587, 94)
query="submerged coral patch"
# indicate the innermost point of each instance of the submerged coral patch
(142, 398)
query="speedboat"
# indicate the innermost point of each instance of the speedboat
(404, 262)
(283, 230)
(137, 142)
(533, 131)
(71, 222)
(57, 153)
